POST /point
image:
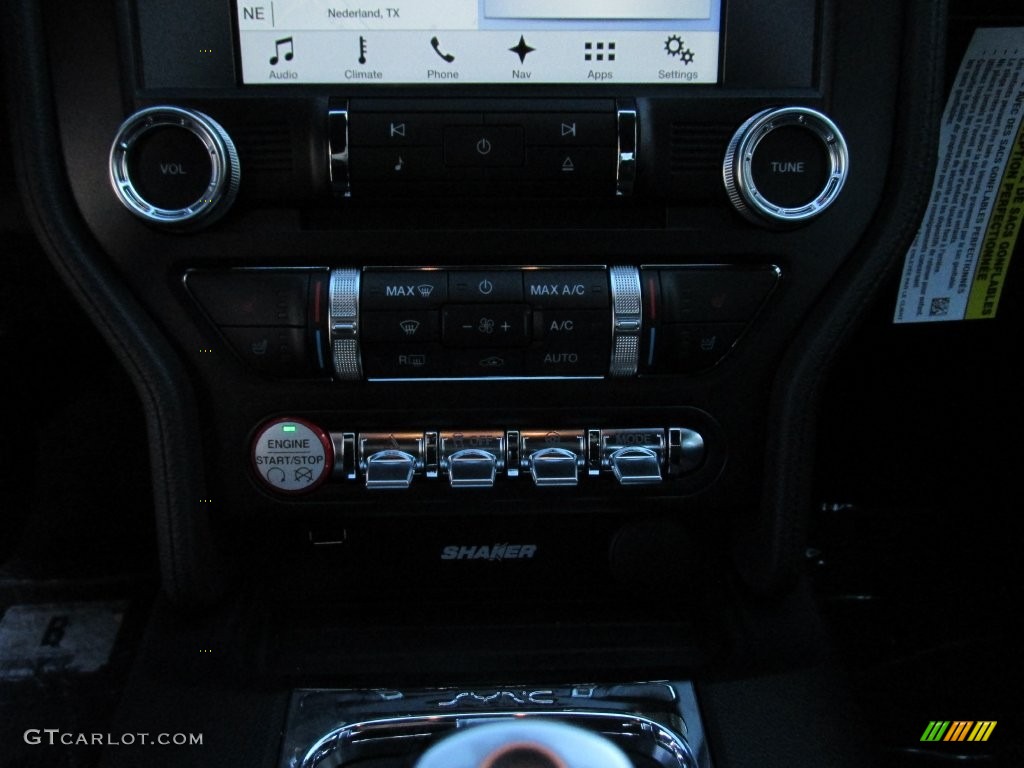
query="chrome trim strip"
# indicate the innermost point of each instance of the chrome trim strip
(627, 126)
(338, 151)
(627, 320)
(344, 324)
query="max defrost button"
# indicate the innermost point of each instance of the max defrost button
(404, 290)
(292, 456)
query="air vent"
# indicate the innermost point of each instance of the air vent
(265, 146)
(699, 147)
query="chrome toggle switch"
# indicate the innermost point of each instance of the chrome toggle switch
(553, 458)
(472, 468)
(553, 466)
(636, 466)
(390, 469)
(634, 456)
(472, 459)
(390, 461)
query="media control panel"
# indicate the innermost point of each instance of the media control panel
(432, 323)
(579, 148)
(178, 168)
(294, 456)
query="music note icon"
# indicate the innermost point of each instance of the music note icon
(288, 55)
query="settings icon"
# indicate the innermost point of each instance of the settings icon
(674, 46)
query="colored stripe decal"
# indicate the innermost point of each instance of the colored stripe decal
(935, 731)
(982, 730)
(959, 730)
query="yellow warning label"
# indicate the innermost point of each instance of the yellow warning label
(1000, 237)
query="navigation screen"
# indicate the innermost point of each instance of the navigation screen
(479, 41)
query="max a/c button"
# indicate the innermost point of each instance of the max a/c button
(557, 288)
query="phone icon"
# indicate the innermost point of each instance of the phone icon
(437, 49)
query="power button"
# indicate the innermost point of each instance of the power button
(292, 456)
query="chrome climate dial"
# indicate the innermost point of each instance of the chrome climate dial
(174, 167)
(785, 166)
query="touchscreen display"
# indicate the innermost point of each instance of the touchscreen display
(479, 41)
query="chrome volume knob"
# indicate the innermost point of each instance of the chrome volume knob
(174, 167)
(785, 165)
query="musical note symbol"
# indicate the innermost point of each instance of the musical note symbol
(288, 55)
(400, 164)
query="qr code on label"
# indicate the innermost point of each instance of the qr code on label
(939, 307)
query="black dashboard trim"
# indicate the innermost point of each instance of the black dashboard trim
(190, 570)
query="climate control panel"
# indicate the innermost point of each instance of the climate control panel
(295, 456)
(430, 323)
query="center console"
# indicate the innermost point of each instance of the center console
(482, 302)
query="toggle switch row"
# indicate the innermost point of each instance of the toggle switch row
(294, 456)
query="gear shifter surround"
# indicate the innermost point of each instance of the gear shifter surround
(524, 744)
